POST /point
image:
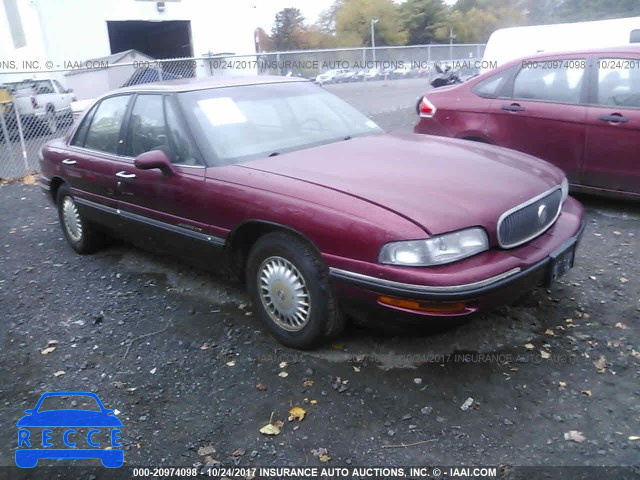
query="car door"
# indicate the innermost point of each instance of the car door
(542, 111)
(164, 209)
(94, 156)
(613, 125)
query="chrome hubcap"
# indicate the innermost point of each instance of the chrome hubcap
(284, 293)
(71, 217)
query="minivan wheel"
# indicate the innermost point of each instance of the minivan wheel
(289, 287)
(80, 233)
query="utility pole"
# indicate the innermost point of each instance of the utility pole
(373, 39)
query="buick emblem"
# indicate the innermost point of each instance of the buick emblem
(542, 214)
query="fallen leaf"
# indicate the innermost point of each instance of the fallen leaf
(529, 346)
(313, 402)
(242, 306)
(596, 234)
(153, 371)
(568, 320)
(600, 364)
(308, 383)
(205, 346)
(562, 384)
(270, 429)
(356, 369)
(279, 424)
(586, 392)
(617, 232)
(324, 458)
(238, 452)
(545, 354)
(231, 363)
(283, 374)
(633, 438)
(616, 342)
(621, 326)
(29, 180)
(337, 346)
(53, 342)
(48, 350)
(623, 280)
(467, 404)
(550, 332)
(592, 277)
(208, 450)
(261, 386)
(322, 454)
(296, 413)
(283, 365)
(59, 373)
(574, 436)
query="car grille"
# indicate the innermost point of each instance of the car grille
(527, 221)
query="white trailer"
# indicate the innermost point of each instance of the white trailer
(510, 43)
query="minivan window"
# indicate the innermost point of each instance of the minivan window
(550, 80)
(618, 82)
(104, 132)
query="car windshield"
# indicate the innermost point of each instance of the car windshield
(242, 123)
(72, 402)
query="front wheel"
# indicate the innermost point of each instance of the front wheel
(290, 290)
(79, 232)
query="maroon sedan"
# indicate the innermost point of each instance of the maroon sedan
(321, 213)
(577, 110)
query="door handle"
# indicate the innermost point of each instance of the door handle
(68, 161)
(124, 174)
(514, 107)
(615, 118)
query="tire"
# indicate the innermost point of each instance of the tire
(283, 275)
(81, 234)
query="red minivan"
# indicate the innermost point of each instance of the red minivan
(579, 110)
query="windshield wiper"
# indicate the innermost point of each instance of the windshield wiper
(274, 154)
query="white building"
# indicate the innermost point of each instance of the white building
(45, 37)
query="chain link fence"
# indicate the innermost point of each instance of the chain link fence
(38, 106)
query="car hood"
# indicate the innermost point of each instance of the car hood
(441, 184)
(69, 418)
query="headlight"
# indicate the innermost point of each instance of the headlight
(564, 186)
(437, 250)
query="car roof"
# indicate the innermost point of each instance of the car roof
(624, 49)
(191, 84)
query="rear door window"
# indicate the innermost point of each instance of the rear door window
(550, 80)
(618, 82)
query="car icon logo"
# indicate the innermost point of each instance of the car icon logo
(69, 433)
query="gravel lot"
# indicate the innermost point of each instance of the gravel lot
(178, 352)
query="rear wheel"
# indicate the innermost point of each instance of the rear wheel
(290, 290)
(79, 232)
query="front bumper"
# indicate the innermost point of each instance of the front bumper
(360, 292)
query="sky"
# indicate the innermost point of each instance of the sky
(265, 10)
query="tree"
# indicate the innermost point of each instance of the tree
(473, 21)
(353, 23)
(422, 19)
(287, 30)
(262, 40)
(584, 10)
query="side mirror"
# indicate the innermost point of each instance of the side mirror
(154, 159)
